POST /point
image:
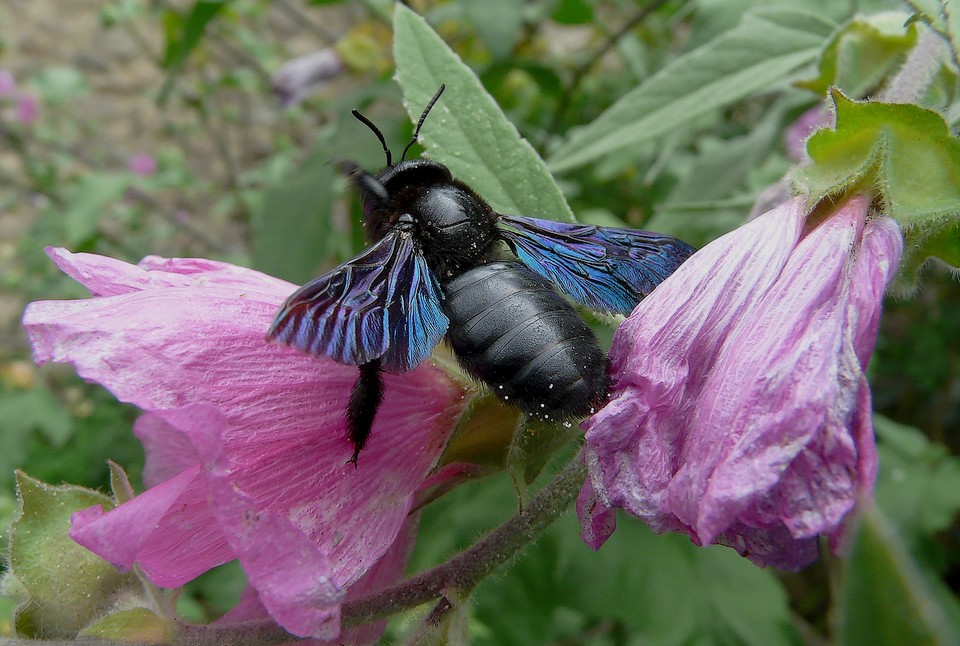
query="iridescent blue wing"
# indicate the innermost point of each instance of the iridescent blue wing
(384, 304)
(605, 268)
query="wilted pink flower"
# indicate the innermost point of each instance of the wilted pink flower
(245, 440)
(301, 77)
(740, 413)
(143, 164)
(28, 108)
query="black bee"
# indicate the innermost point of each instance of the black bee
(434, 268)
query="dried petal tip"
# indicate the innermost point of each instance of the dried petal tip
(304, 76)
(740, 413)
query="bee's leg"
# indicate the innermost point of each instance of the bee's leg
(364, 402)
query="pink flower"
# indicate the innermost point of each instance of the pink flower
(740, 413)
(245, 441)
(143, 164)
(28, 108)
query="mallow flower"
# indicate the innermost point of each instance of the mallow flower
(245, 440)
(739, 412)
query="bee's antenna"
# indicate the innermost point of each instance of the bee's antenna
(423, 117)
(383, 142)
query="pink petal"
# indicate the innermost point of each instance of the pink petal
(105, 276)
(740, 413)
(167, 529)
(597, 522)
(662, 356)
(774, 378)
(167, 451)
(277, 471)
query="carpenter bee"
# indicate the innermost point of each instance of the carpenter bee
(435, 268)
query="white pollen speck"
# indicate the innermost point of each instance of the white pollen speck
(551, 386)
(506, 397)
(500, 386)
(543, 405)
(567, 425)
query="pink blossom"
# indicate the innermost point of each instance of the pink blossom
(28, 108)
(245, 440)
(143, 164)
(740, 413)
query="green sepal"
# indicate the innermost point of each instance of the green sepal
(67, 584)
(137, 625)
(534, 443)
(484, 434)
(862, 53)
(902, 152)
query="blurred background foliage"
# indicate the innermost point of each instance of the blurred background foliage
(138, 127)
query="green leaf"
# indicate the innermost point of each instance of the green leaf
(497, 23)
(863, 53)
(645, 589)
(572, 12)
(183, 36)
(904, 152)
(918, 483)
(93, 193)
(766, 47)
(58, 84)
(138, 625)
(885, 598)
(467, 131)
(37, 409)
(68, 585)
(292, 224)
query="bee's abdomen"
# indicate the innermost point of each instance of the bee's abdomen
(512, 330)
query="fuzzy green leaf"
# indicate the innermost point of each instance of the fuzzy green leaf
(68, 585)
(764, 49)
(93, 193)
(466, 130)
(864, 52)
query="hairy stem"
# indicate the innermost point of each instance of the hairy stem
(918, 71)
(580, 72)
(465, 570)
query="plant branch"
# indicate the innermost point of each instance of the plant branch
(580, 72)
(465, 570)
